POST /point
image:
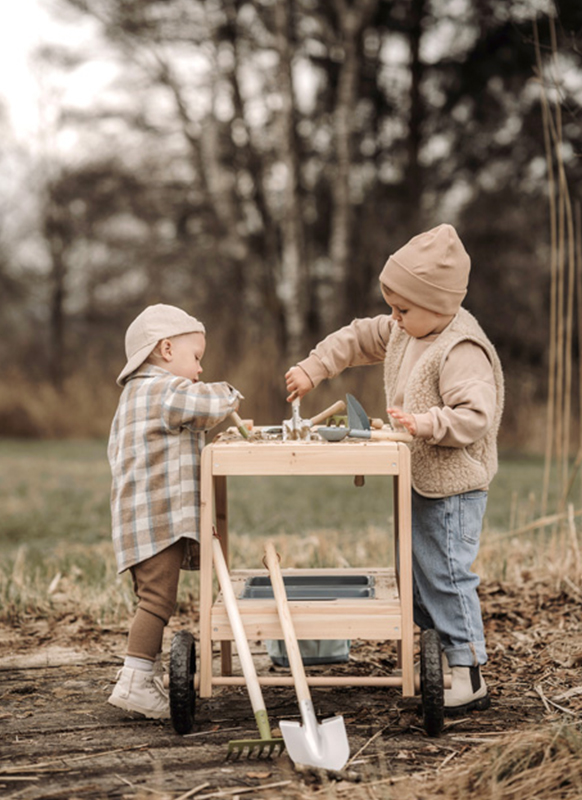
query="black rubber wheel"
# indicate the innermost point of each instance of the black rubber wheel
(431, 682)
(182, 671)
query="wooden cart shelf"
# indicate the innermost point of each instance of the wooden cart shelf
(387, 615)
(377, 617)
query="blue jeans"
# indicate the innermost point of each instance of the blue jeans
(445, 543)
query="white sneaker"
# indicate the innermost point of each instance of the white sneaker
(468, 691)
(159, 670)
(142, 692)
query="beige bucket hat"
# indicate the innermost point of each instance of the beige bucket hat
(148, 328)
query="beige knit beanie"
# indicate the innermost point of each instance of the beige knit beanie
(148, 328)
(431, 270)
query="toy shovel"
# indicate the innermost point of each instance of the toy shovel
(359, 427)
(312, 744)
(298, 428)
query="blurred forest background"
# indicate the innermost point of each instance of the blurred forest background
(257, 161)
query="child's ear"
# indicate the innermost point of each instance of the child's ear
(165, 349)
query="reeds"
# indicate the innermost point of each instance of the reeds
(82, 408)
(565, 289)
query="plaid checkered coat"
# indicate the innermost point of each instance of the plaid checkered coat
(154, 449)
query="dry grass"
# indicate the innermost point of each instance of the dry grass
(82, 408)
(545, 763)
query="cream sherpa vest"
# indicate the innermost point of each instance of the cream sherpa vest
(442, 471)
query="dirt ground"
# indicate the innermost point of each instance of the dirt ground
(59, 738)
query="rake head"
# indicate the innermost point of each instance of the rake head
(255, 748)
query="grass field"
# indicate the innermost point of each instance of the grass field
(55, 528)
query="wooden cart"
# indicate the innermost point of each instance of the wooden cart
(387, 615)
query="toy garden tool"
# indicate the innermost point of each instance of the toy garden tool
(322, 745)
(241, 427)
(266, 745)
(359, 427)
(297, 428)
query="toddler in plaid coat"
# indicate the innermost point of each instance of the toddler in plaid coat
(154, 451)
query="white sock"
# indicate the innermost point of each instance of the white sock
(142, 664)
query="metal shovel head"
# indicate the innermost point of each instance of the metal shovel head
(357, 417)
(322, 745)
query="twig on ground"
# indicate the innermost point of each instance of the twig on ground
(544, 699)
(210, 733)
(193, 791)
(571, 585)
(448, 758)
(47, 766)
(365, 745)
(243, 790)
(141, 788)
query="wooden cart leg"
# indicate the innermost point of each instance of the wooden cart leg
(206, 509)
(396, 560)
(221, 512)
(402, 524)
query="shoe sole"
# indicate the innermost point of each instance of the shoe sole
(481, 704)
(118, 703)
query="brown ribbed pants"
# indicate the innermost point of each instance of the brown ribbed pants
(155, 582)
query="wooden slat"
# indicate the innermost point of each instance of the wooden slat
(377, 617)
(305, 458)
(338, 622)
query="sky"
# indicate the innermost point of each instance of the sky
(29, 24)
(25, 26)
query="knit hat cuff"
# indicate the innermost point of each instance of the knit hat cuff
(400, 280)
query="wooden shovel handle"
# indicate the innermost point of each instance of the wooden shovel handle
(336, 408)
(291, 643)
(390, 435)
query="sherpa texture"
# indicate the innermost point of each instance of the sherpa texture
(443, 471)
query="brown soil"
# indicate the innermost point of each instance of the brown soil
(61, 739)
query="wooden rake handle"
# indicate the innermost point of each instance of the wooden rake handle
(239, 633)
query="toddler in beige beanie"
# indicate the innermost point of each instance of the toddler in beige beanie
(444, 384)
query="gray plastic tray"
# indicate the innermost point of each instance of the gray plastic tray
(312, 587)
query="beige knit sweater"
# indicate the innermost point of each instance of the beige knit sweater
(452, 382)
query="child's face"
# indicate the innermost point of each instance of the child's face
(182, 355)
(416, 321)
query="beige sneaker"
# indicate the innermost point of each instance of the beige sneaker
(142, 692)
(468, 691)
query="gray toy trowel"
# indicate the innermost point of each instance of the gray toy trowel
(359, 427)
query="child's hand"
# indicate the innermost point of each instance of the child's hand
(406, 420)
(298, 383)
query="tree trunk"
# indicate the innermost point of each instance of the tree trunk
(292, 285)
(352, 19)
(414, 180)
(57, 293)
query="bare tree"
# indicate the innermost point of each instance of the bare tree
(293, 283)
(351, 19)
